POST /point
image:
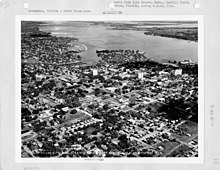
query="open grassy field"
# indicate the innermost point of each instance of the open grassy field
(188, 127)
(180, 152)
(168, 146)
(79, 116)
(90, 130)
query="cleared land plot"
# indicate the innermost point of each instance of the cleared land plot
(188, 127)
(90, 130)
(167, 146)
(31, 61)
(182, 151)
(28, 135)
(196, 139)
(79, 116)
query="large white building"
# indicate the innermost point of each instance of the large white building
(39, 77)
(140, 75)
(178, 72)
(94, 72)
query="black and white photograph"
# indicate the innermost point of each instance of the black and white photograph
(109, 89)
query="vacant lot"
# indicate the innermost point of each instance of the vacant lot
(90, 130)
(167, 146)
(190, 128)
(79, 116)
(182, 151)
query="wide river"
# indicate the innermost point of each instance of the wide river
(100, 37)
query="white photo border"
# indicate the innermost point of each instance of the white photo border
(201, 123)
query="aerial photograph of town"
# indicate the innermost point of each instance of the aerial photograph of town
(109, 89)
